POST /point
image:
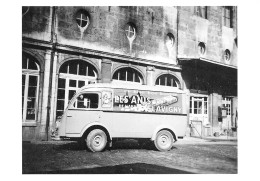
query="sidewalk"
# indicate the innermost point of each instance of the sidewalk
(207, 140)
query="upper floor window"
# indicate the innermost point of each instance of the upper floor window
(201, 11)
(227, 16)
(82, 19)
(170, 40)
(167, 80)
(128, 74)
(202, 48)
(130, 31)
(227, 55)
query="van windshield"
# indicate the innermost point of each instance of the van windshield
(86, 100)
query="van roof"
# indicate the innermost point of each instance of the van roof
(133, 86)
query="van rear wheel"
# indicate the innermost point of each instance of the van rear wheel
(163, 140)
(96, 140)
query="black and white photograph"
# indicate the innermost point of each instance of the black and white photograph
(129, 89)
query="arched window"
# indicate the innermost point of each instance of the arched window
(128, 74)
(73, 75)
(30, 88)
(167, 80)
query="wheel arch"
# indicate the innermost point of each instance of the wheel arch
(171, 130)
(93, 126)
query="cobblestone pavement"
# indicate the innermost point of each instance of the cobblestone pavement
(129, 157)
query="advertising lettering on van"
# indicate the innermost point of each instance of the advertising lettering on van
(139, 103)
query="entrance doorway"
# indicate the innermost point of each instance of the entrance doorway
(199, 109)
(198, 117)
(226, 103)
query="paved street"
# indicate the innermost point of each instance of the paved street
(128, 157)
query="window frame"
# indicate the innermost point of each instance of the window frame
(27, 73)
(79, 16)
(198, 10)
(197, 99)
(68, 77)
(135, 75)
(75, 101)
(227, 17)
(174, 78)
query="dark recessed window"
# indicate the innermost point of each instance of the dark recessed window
(167, 80)
(201, 11)
(227, 55)
(130, 31)
(170, 40)
(82, 19)
(202, 48)
(78, 67)
(227, 16)
(128, 74)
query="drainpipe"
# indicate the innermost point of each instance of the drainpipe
(53, 42)
(177, 34)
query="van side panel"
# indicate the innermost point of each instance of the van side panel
(141, 125)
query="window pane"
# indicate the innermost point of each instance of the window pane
(84, 23)
(87, 101)
(59, 114)
(205, 108)
(32, 91)
(91, 72)
(23, 91)
(32, 65)
(24, 65)
(162, 80)
(61, 94)
(137, 78)
(82, 69)
(22, 103)
(60, 105)
(61, 83)
(64, 68)
(33, 80)
(195, 111)
(30, 114)
(71, 94)
(72, 83)
(195, 105)
(81, 83)
(130, 76)
(73, 68)
(23, 80)
(30, 102)
(122, 75)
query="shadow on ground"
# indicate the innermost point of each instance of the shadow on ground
(117, 145)
(136, 168)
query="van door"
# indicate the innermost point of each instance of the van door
(82, 111)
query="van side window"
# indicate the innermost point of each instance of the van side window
(86, 100)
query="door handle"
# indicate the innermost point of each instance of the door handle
(69, 116)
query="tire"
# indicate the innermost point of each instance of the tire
(96, 140)
(164, 140)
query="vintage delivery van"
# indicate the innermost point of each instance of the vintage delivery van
(99, 113)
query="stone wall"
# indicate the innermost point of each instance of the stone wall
(217, 38)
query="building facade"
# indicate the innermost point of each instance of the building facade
(65, 48)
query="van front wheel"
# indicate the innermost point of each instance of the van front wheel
(163, 140)
(96, 140)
